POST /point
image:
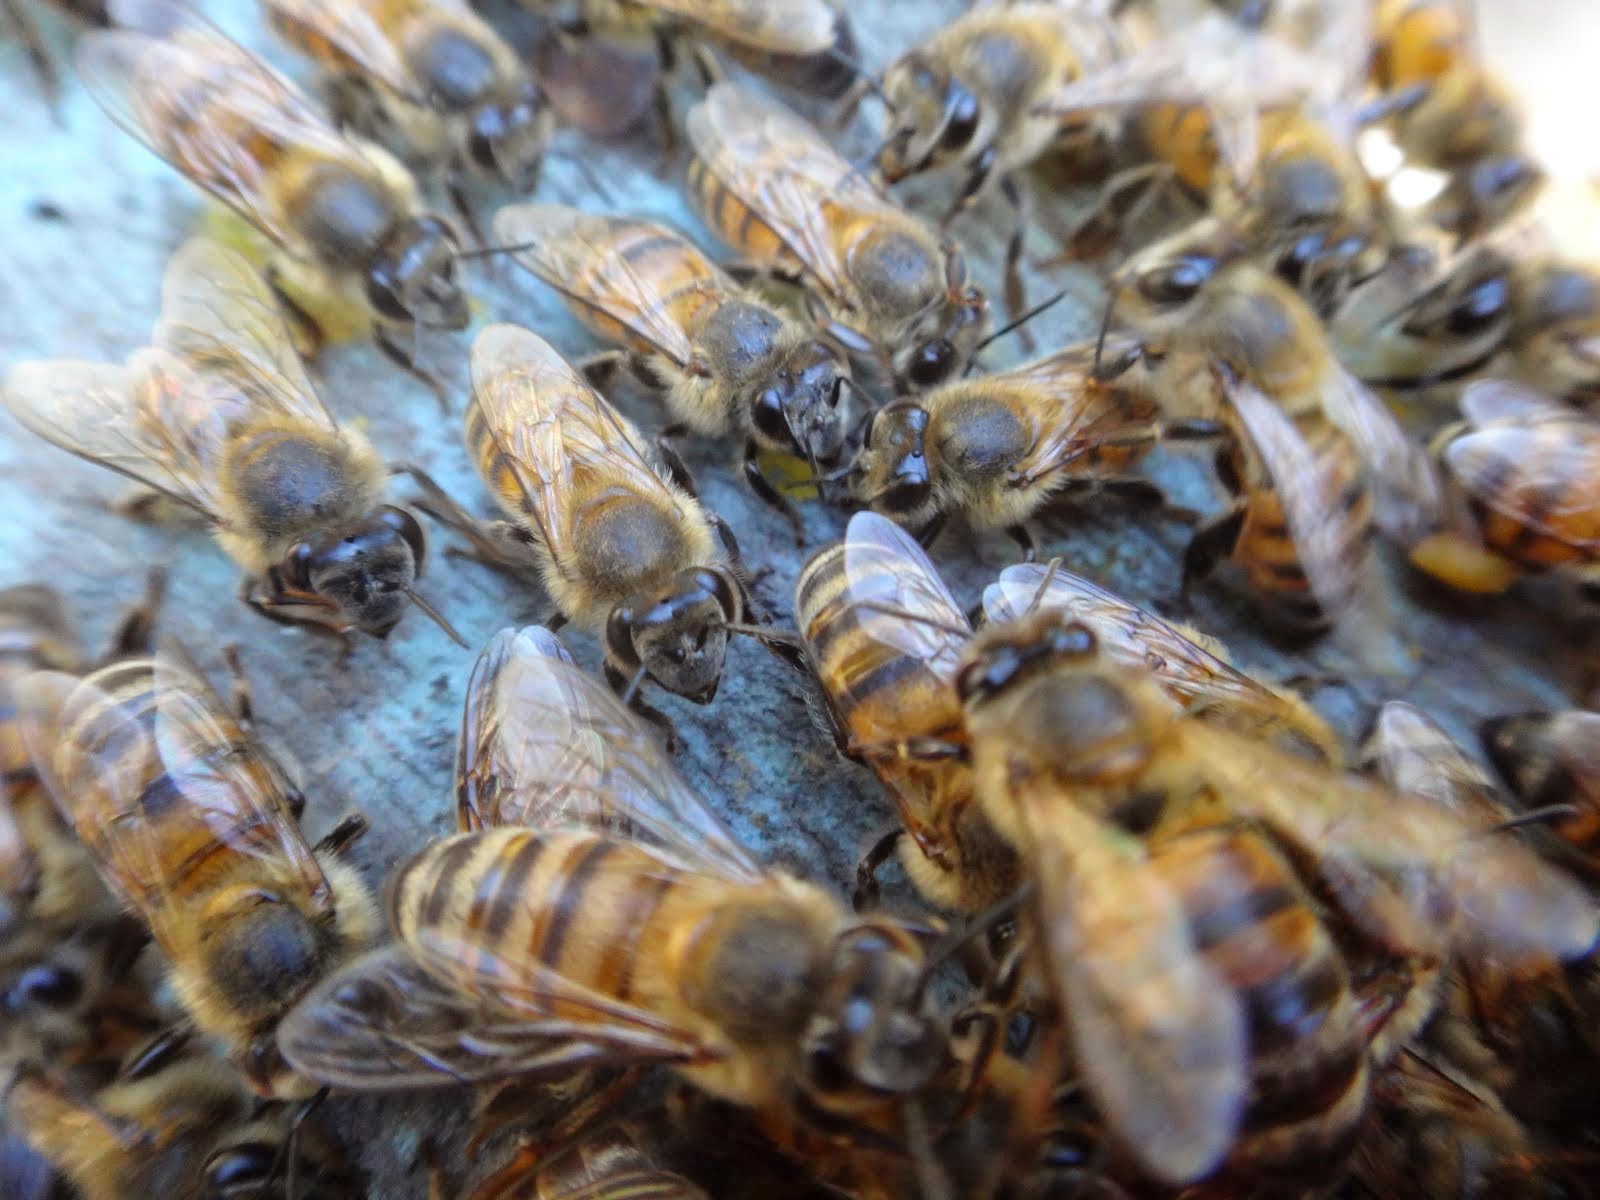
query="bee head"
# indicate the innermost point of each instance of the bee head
(796, 409)
(411, 278)
(366, 568)
(871, 1033)
(506, 140)
(891, 472)
(937, 118)
(679, 637)
(952, 339)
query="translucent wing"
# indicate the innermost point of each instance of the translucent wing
(206, 105)
(383, 1023)
(1305, 485)
(507, 972)
(1542, 476)
(549, 423)
(1159, 1033)
(581, 256)
(222, 320)
(1412, 753)
(1408, 495)
(784, 170)
(1489, 401)
(1411, 872)
(774, 26)
(129, 418)
(898, 597)
(544, 744)
(157, 779)
(352, 30)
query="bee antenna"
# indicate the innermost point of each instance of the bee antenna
(1044, 584)
(631, 692)
(1105, 328)
(435, 616)
(491, 251)
(1535, 816)
(979, 926)
(1016, 322)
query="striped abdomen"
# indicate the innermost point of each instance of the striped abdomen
(495, 467)
(680, 280)
(1267, 548)
(32, 638)
(736, 223)
(155, 775)
(1308, 1067)
(1519, 486)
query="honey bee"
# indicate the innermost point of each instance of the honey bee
(1191, 667)
(191, 824)
(1448, 112)
(1315, 457)
(881, 282)
(178, 1121)
(828, 73)
(1555, 332)
(1074, 754)
(619, 924)
(1525, 466)
(997, 449)
(345, 220)
(889, 682)
(620, 547)
(432, 81)
(219, 415)
(614, 1164)
(725, 361)
(1550, 758)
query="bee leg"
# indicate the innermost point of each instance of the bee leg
(1016, 289)
(673, 461)
(865, 896)
(1123, 201)
(620, 684)
(1212, 543)
(304, 331)
(339, 840)
(770, 495)
(500, 545)
(455, 190)
(306, 609)
(971, 187)
(407, 362)
(600, 370)
(666, 128)
(706, 66)
(135, 631)
(929, 533)
(1023, 537)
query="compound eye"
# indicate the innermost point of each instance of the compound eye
(248, 1163)
(932, 363)
(619, 637)
(407, 526)
(962, 122)
(45, 987)
(769, 416)
(972, 680)
(296, 567)
(718, 586)
(1177, 283)
(1479, 308)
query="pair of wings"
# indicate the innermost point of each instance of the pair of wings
(782, 169)
(1530, 458)
(1201, 56)
(147, 765)
(220, 356)
(198, 99)
(581, 255)
(544, 746)
(550, 425)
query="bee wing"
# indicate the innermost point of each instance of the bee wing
(137, 419)
(1304, 484)
(148, 84)
(1413, 754)
(1411, 873)
(577, 253)
(1408, 495)
(773, 26)
(507, 973)
(1544, 477)
(780, 166)
(383, 1023)
(1126, 632)
(897, 596)
(152, 774)
(1160, 1035)
(545, 744)
(354, 32)
(1491, 401)
(219, 316)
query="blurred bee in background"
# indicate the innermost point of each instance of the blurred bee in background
(1448, 112)
(345, 221)
(219, 415)
(430, 80)
(724, 361)
(888, 683)
(880, 283)
(1075, 754)
(1554, 342)
(176, 1120)
(618, 1162)
(1194, 669)
(1524, 471)
(622, 548)
(1552, 760)
(192, 825)
(26, 27)
(998, 449)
